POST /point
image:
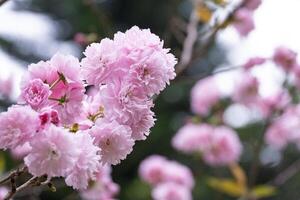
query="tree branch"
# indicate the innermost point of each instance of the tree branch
(288, 173)
(2, 2)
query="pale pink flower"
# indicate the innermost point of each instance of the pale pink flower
(80, 38)
(54, 152)
(178, 173)
(21, 151)
(285, 129)
(156, 169)
(204, 95)
(171, 191)
(6, 86)
(246, 91)
(252, 4)
(285, 58)
(275, 102)
(192, 138)
(100, 62)
(102, 188)
(152, 169)
(122, 102)
(243, 21)
(87, 163)
(254, 62)
(225, 147)
(35, 93)
(17, 126)
(3, 192)
(113, 139)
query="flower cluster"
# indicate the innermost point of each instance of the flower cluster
(62, 130)
(218, 145)
(171, 180)
(243, 17)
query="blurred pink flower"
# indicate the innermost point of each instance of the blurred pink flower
(6, 86)
(204, 95)
(102, 187)
(192, 138)
(225, 147)
(17, 126)
(246, 90)
(81, 38)
(252, 4)
(157, 169)
(171, 191)
(3, 192)
(285, 58)
(254, 62)
(21, 151)
(243, 21)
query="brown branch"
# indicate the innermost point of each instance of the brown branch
(15, 173)
(2, 2)
(189, 43)
(288, 173)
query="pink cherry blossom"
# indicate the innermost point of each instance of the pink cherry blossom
(48, 116)
(284, 130)
(17, 126)
(35, 93)
(225, 147)
(3, 192)
(285, 58)
(254, 62)
(21, 151)
(156, 169)
(87, 163)
(152, 169)
(6, 86)
(192, 138)
(54, 152)
(204, 95)
(113, 139)
(100, 62)
(252, 4)
(243, 21)
(171, 191)
(102, 187)
(246, 91)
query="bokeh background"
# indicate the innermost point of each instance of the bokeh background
(33, 30)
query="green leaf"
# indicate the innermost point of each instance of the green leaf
(227, 186)
(262, 191)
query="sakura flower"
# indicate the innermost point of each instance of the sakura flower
(152, 169)
(171, 191)
(113, 139)
(35, 93)
(87, 163)
(6, 86)
(48, 116)
(204, 95)
(3, 192)
(254, 62)
(99, 62)
(21, 151)
(17, 126)
(246, 91)
(225, 147)
(192, 138)
(243, 21)
(102, 187)
(54, 152)
(285, 58)
(178, 173)
(252, 4)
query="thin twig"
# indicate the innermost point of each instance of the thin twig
(288, 173)
(2, 2)
(15, 173)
